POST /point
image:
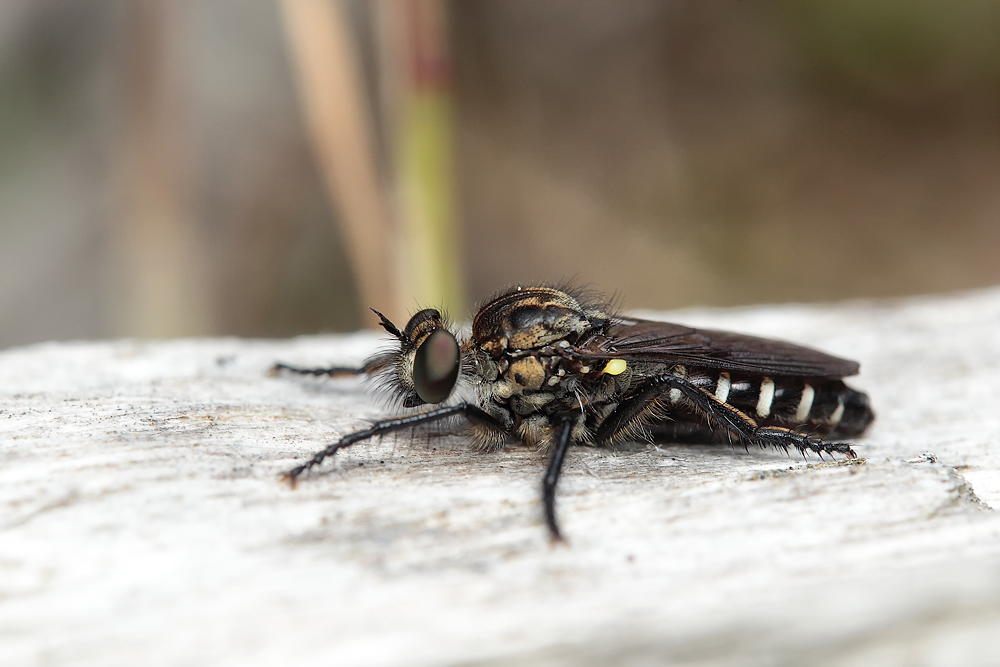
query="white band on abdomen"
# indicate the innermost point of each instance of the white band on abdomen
(805, 403)
(722, 387)
(765, 397)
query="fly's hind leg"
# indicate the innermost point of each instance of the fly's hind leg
(776, 436)
(717, 413)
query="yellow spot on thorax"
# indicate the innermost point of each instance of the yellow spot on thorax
(616, 367)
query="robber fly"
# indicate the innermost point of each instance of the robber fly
(553, 367)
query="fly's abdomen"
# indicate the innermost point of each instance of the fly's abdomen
(824, 407)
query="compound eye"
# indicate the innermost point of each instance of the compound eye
(435, 367)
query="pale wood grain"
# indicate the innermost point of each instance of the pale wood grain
(141, 521)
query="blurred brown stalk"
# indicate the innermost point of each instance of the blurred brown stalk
(330, 90)
(159, 274)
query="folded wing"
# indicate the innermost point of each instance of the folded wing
(645, 340)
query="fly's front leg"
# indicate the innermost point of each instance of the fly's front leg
(717, 413)
(469, 411)
(373, 365)
(332, 371)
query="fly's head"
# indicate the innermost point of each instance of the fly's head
(425, 366)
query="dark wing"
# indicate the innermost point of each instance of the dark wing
(644, 340)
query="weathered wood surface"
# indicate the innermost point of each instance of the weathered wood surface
(141, 520)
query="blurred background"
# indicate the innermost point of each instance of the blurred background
(269, 167)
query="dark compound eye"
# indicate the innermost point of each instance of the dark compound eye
(435, 367)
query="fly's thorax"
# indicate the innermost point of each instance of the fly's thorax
(532, 318)
(540, 432)
(530, 373)
(526, 374)
(545, 380)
